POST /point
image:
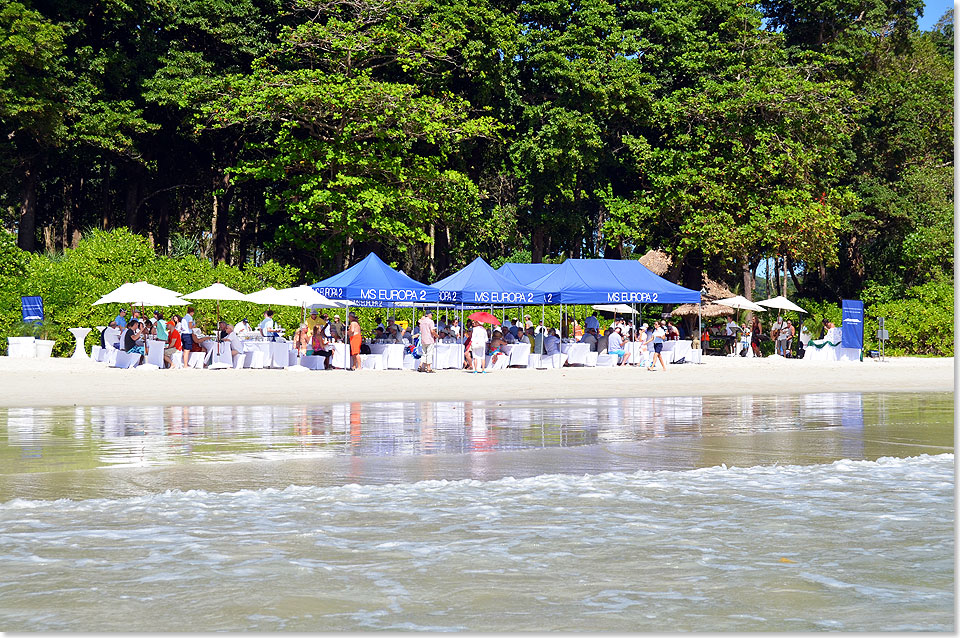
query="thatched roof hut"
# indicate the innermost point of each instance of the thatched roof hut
(657, 261)
(715, 290)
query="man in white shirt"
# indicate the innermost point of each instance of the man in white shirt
(233, 339)
(732, 327)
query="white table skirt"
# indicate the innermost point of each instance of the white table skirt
(680, 350)
(392, 354)
(275, 353)
(448, 356)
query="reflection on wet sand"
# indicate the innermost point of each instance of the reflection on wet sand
(396, 441)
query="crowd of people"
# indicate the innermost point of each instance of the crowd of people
(739, 338)
(129, 332)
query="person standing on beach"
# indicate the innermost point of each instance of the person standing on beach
(478, 347)
(186, 335)
(755, 331)
(428, 341)
(657, 338)
(355, 337)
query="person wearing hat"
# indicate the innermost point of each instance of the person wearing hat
(121, 319)
(314, 320)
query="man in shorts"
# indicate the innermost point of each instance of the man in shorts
(174, 344)
(428, 342)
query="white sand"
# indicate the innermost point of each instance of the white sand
(36, 382)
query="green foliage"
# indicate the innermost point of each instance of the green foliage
(102, 262)
(919, 323)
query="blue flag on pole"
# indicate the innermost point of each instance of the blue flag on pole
(852, 324)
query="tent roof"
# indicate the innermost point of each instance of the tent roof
(479, 283)
(526, 273)
(372, 280)
(591, 281)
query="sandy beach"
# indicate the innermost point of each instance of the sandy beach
(49, 382)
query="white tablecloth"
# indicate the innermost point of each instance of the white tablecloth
(392, 354)
(275, 353)
(448, 355)
(680, 350)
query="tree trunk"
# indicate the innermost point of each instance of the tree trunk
(776, 269)
(223, 192)
(793, 276)
(105, 197)
(537, 246)
(162, 242)
(130, 205)
(747, 278)
(27, 229)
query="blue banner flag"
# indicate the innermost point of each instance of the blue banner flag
(32, 309)
(852, 324)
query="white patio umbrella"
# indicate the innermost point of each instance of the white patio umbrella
(620, 308)
(781, 303)
(740, 303)
(301, 296)
(217, 292)
(142, 294)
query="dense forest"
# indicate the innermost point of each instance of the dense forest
(816, 135)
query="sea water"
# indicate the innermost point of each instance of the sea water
(814, 512)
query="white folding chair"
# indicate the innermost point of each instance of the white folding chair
(605, 360)
(155, 355)
(371, 361)
(238, 360)
(176, 360)
(126, 359)
(224, 356)
(312, 362)
(591, 361)
(520, 356)
(554, 360)
(196, 360)
(109, 356)
(253, 359)
(95, 353)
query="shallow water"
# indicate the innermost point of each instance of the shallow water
(728, 513)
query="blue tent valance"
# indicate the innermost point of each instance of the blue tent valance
(372, 282)
(479, 283)
(590, 281)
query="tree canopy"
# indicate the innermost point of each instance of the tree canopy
(815, 135)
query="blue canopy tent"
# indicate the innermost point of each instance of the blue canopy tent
(478, 283)
(590, 281)
(526, 273)
(372, 283)
(605, 281)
